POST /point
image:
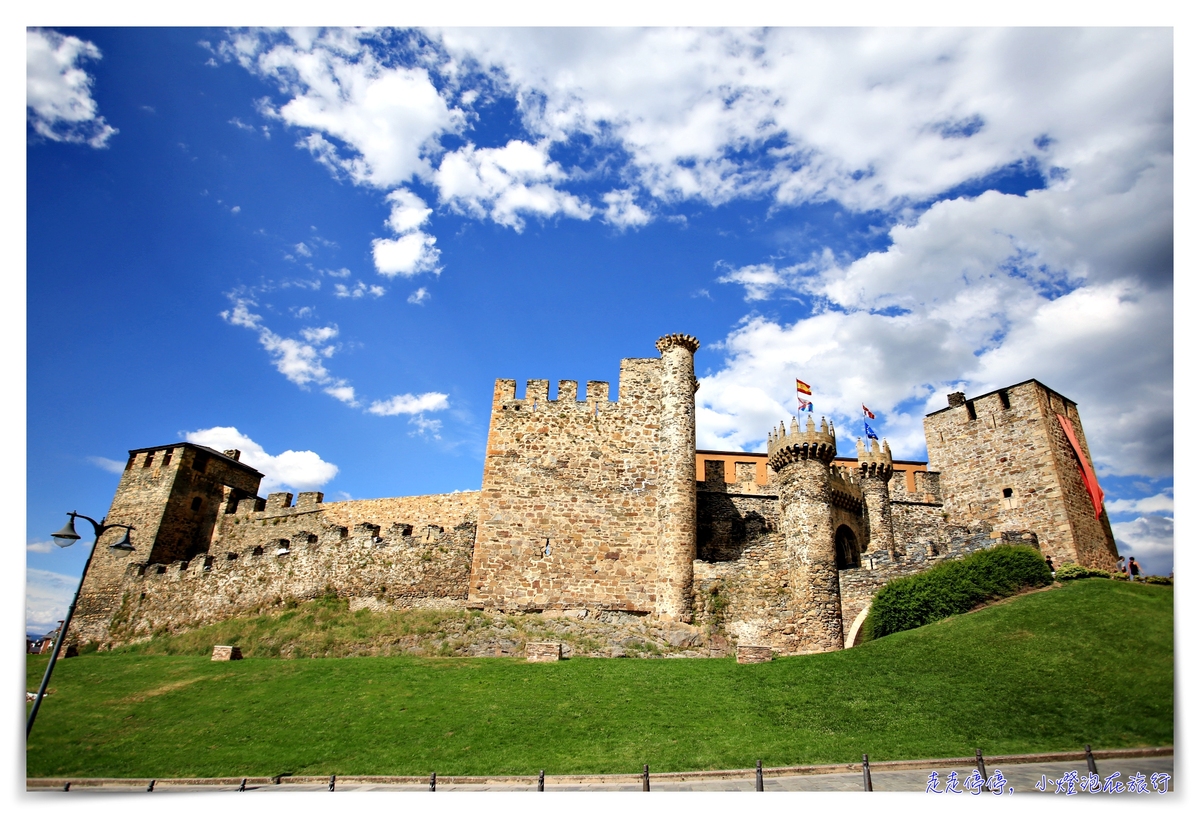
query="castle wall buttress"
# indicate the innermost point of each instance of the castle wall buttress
(568, 511)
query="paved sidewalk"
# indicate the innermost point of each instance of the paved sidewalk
(1021, 777)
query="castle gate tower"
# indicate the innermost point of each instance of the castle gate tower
(677, 478)
(875, 470)
(802, 461)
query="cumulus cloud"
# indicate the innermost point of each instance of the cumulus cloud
(504, 184)
(386, 118)
(406, 256)
(622, 211)
(408, 404)
(419, 296)
(47, 595)
(58, 93)
(413, 251)
(302, 471)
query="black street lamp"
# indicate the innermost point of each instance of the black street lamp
(64, 538)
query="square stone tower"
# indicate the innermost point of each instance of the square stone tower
(174, 497)
(1007, 459)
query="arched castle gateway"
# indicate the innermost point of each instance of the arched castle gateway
(605, 508)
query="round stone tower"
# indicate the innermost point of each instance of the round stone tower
(677, 477)
(875, 470)
(801, 459)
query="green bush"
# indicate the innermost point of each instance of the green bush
(1154, 579)
(954, 587)
(1072, 571)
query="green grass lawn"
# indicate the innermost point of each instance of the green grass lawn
(1090, 662)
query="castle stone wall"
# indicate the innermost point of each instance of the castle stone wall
(568, 514)
(265, 559)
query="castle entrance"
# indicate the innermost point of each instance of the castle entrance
(846, 546)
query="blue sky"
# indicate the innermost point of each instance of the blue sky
(322, 247)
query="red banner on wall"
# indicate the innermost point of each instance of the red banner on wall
(1085, 468)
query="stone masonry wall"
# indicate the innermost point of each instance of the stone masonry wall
(265, 558)
(985, 449)
(174, 508)
(568, 513)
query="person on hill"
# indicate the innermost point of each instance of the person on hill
(1134, 568)
(1121, 566)
(1050, 565)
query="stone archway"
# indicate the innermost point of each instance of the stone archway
(854, 635)
(846, 546)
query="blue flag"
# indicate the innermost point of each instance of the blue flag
(870, 432)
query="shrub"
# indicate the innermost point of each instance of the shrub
(954, 587)
(1072, 571)
(1154, 579)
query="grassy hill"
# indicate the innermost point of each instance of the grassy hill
(1090, 662)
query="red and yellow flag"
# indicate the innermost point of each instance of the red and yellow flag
(802, 388)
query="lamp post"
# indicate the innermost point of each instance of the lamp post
(63, 539)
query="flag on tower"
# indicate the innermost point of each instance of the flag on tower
(805, 405)
(870, 432)
(868, 412)
(802, 388)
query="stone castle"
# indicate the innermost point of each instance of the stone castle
(604, 508)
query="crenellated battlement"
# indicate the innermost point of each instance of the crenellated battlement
(846, 491)
(597, 395)
(677, 339)
(873, 461)
(784, 446)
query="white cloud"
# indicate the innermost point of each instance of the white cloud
(340, 273)
(303, 471)
(408, 404)
(425, 427)
(302, 249)
(867, 117)
(113, 466)
(388, 118)
(358, 291)
(504, 183)
(343, 392)
(407, 256)
(419, 296)
(58, 93)
(1151, 540)
(41, 547)
(47, 596)
(1161, 502)
(622, 211)
(409, 211)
